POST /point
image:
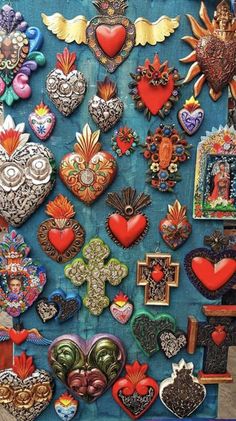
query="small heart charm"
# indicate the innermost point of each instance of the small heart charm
(124, 141)
(106, 108)
(46, 310)
(121, 308)
(42, 121)
(66, 407)
(157, 273)
(191, 116)
(219, 335)
(171, 343)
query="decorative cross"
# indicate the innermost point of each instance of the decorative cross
(96, 273)
(216, 336)
(157, 274)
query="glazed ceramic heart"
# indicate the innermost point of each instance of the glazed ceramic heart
(127, 232)
(105, 113)
(14, 48)
(171, 343)
(43, 125)
(61, 239)
(87, 367)
(122, 314)
(217, 60)
(18, 337)
(191, 120)
(111, 38)
(212, 274)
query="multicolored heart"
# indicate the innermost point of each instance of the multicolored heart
(42, 121)
(127, 232)
(18, 337)
(191, 120)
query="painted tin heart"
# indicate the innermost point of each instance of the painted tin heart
(46, 309)
(171, 343)
(121, 308)
(27, 173)
(42, 121)
(191, 116)
(87, 367)
(59, 306)
(87, 172)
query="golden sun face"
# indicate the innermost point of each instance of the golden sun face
(210, 43)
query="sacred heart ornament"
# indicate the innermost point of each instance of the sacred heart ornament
(42, 121)
(106, 108)
(136, 391)
(88, 171)
(182, 393)
(21, 279)
(212, 273)
(61, 237)
(46, 309)
(128, 225)
(27, 173)
(191, 116)
(219, 335)
(18, 335)
(155, 88)
(66, 86)
(25, 392)
(175, 228)
(124, 141)
(87, 367)
(19, 53)
(66, 407)
(59, 306)
(214, 51)
(121, 308)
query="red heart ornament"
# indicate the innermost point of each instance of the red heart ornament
(213, 276)
(154, 97)
(18, 337)
(111, 38)
(219, 335)
(61, 239)
(127, 232)
(157, 274)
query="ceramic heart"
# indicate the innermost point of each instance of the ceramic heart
(191, 116)
(66, 407)
(213, 274)
(27, 173)
(171, 343)
(111, 38)
(14, 47)
(88, 171)
(87, 367)
(46, 310)
(121, 308)
(127, 232)
(42, 121)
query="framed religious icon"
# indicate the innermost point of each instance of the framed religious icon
(215, 176)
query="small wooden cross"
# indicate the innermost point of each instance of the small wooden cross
(216, 335)
(157, 274)
(96, 272)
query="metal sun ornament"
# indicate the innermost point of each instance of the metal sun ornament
(214, 51)
(111, 36)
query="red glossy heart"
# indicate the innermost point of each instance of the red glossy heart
(218, 336)
(213, 276)
(124, 146)
(18, 337)
(111, 38)
(127, 232)
(154, 97)
(61, 239)
(157, 275)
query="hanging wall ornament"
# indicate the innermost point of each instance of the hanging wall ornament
(214, 51)
(25, 392)
(182, 393)
(121, 308)
(66, 86)
(58, 305)
(21, 279)
(27, 173)
(128, 225)
(19, 45)
(66, 407)
(106, 108)
(124, 141)
(61, 237)
(136, 392)
(175, 228)
(96, 272)
(18, 335)
(213, 273)
(87, 367)
(165, 150)
(156, 88)
(111, 36)
(215, 175)
(191, 116)
(88, 171)
(42, 121)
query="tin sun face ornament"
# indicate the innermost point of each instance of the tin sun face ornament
(42, 121)
(66, 407)
(19, 46)
(27, 173)
(215, 175)
(106, 108)
(25, 392)
(21, 279)
(124, 141)
(214, 51)
(191, 116)
(136, 391)
(182, 393)
(66, 86)
(121, 308)
(175, 229)
(111, 36)
(165, 150)
(61, 237)
(87, 367)
(156, 88)
(88, 171)
(59, 306)
(127, 226)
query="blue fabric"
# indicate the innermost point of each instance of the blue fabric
(185, 300)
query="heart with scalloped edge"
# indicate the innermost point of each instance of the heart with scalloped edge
(61, 239)
(111, 38)
(127, 232)
(18, 337)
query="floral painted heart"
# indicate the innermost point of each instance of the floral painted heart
(121, 308)
(111, 38)
(191, 116)
(171, 343)
(87, 172)
(87, 367)
(14, 48)
(42, 121)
